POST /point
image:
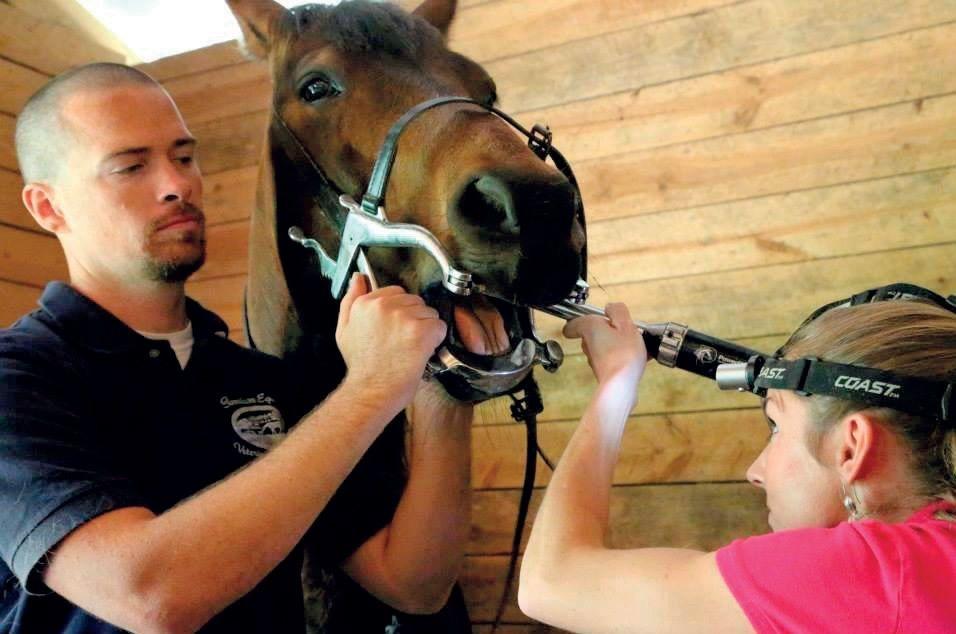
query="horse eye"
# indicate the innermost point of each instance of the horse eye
(317, 88)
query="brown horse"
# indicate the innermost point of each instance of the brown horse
(341, 77)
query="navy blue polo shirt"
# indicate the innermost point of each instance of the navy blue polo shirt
(95, 417)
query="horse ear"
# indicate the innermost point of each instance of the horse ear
(258, 20)
(438, 13)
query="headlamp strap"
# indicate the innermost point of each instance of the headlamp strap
(902, 290)
(878, 388)
(897, 291)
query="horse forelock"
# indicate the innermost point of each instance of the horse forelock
(362, 26)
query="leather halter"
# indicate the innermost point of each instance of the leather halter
(539, 141)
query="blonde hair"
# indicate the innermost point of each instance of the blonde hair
(908, 338)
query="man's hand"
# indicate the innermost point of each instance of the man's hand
(386, 336)
(614, 346)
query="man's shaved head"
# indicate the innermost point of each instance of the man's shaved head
(42, 135)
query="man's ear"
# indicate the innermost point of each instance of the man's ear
(258, 20)
(856, 437)
(39, 199)
(438, 13)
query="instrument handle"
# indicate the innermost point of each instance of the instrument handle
(670, 344)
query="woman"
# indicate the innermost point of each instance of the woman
(860, 499)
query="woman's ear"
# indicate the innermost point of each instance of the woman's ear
(855, 440)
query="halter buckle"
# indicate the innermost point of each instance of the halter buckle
(539, 140)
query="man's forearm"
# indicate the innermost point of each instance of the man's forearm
(195, 559)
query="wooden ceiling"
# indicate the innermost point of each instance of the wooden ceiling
(72, 15)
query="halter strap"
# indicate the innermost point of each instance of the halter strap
(323, 190)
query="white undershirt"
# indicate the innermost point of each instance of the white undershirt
(180, 341)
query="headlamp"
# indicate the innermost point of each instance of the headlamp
(876, 388)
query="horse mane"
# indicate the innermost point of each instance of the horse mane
(361, 26)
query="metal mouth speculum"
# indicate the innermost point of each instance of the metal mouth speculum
(364, 230)
(466, 375)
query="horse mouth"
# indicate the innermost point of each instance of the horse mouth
(478, 325)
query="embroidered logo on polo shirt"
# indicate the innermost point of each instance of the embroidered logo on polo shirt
(256, 421)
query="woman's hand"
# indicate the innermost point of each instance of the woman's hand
(614, 346)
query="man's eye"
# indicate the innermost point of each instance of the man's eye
(773, 427)
(185, 160)
(128, 169)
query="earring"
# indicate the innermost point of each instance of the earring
(850, 504)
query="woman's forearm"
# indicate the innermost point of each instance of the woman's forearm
(574, 513)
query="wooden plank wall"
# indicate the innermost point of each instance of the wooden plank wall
(32, 49)
(742, 162)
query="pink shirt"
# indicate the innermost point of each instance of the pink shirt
(867, 576)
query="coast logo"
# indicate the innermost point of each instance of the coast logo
(771, 373)
(880, 388)
(257, 421)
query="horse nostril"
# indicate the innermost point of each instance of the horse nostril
(487, 203)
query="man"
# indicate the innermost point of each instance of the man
(135, 486)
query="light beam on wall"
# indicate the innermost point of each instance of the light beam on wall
(159, 28)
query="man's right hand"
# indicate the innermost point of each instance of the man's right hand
(386, 336)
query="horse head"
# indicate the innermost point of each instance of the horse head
(341, 76)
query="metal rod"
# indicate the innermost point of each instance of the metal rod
(569, 310)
